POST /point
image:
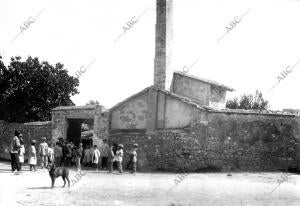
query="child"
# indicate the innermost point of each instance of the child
(58, 155)
(21, 154)
(43, 150)
(78, 156)
(134, 158)
(119, 157)
(73, 159)
(32, 156)
(50, 154)
(111, 156)
(104, 150)
(91, 155)
(69, 154)
(87, 157)
(96, 157)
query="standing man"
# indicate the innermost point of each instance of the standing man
(104, 153)
(14, 153)
(43, 150)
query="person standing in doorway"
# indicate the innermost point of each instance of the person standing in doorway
(43, 151)
(104, 154)
(14, 153)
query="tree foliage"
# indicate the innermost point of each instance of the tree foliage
(249, 102)
(93, 102)
(30, 89)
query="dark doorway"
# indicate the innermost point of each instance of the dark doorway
(77, 130)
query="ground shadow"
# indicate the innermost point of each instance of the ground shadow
(39, 188)
(5, 171)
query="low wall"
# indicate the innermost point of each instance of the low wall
(219, 142)
(31, 130)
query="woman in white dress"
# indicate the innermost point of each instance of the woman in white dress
(22, 154)
(32, 156)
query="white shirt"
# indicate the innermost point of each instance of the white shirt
(119, 155)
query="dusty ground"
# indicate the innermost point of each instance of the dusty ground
(101, 188)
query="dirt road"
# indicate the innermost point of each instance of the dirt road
(101, 188)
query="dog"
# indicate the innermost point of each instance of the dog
(56, 172)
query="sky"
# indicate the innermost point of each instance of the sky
(89, 35)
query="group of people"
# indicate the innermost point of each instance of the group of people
(17, 153)
(66, 154)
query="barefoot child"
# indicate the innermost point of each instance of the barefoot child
(134, 157)
(96, 157)
(119, 157)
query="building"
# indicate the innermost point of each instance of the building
(188, 126)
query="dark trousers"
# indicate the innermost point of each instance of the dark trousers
(15, 163)
(104, 162)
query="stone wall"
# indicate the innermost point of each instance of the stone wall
(60, 116)
(131, 114)
(31, 130)
(218, 142)
(255, 141)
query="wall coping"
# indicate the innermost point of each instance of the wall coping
(84, 107)
(233, 111)
(29, 123)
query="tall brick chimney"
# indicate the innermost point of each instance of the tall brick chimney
(163, 44)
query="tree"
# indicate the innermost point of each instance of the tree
(93, 102)
(249, 102)
(30, 89)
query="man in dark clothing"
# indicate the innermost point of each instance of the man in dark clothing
(14, 153)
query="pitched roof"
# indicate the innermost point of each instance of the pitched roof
(205, 80)
(176, 96)
(182, 99)
(130, 98)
